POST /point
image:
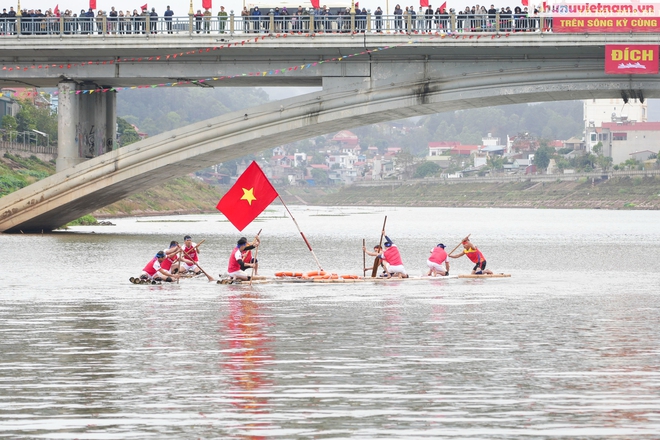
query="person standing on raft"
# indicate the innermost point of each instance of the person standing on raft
(476, 257)
(392, 257)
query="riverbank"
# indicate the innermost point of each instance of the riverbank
(614, 193)
(186, 196)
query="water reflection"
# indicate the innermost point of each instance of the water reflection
(249, 351)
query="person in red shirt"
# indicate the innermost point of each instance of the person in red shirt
(476, 257)
(247, 253)
(237, 266)
(154, 272)
(171, 261)
(392, 257)
(190, 256)
(436, 260)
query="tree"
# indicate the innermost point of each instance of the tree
(405, 160)
(126, 132)
(542, 157)
(8, 124)
(597, 149)
(426, 169)
(319, 176)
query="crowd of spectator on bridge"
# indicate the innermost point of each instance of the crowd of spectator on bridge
(254, 20)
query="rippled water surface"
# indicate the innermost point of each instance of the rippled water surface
(568, 347)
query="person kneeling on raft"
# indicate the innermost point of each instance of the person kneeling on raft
(392, 257)
(237, 266)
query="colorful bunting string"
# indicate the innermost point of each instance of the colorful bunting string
(209, 49)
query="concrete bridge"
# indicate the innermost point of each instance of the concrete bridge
(378, 78)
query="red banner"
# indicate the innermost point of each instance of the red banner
(206, 4)
(92, 4)
(635, 59)
(605, 24)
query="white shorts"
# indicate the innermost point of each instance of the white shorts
(397, 269)
(436, 266)
(238, 273)
(185, 266)
(149, 277)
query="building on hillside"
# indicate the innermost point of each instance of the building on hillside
(464, 150)
(8, 105)
(574, 143)
(381, 168)
(344, 176)
(642, 156)
(599, 111)
(341, 160)
(491, 141)
(437, 149)
(345, 139)
(299, 159)
(621, 139)
(279, 151)
(480, 159)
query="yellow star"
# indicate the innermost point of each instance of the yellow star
(248, 194)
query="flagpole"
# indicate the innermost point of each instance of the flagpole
(301, 233)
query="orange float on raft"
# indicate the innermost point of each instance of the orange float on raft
(315, 273)
(349, 277)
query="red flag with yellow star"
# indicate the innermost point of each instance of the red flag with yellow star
(250, 195)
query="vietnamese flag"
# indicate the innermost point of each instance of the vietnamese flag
(525, 2)
(424, 3)
(316, 4)
(250, 195)
(206, 4)
(443, 6)
(92, 4)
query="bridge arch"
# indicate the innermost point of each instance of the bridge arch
(98, 182)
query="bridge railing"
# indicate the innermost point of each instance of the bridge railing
(20, 146)
(270, 23)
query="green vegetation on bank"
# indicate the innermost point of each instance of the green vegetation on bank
(85, 220)
(178, 196)
(17, 172)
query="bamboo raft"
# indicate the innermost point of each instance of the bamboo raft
(349, 279)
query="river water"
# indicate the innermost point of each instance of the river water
(568, 347)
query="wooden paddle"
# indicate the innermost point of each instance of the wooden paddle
(465, 239)
(256, 252)
(374, 271)
(197, 264)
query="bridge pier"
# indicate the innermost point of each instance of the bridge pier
(86, 124)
